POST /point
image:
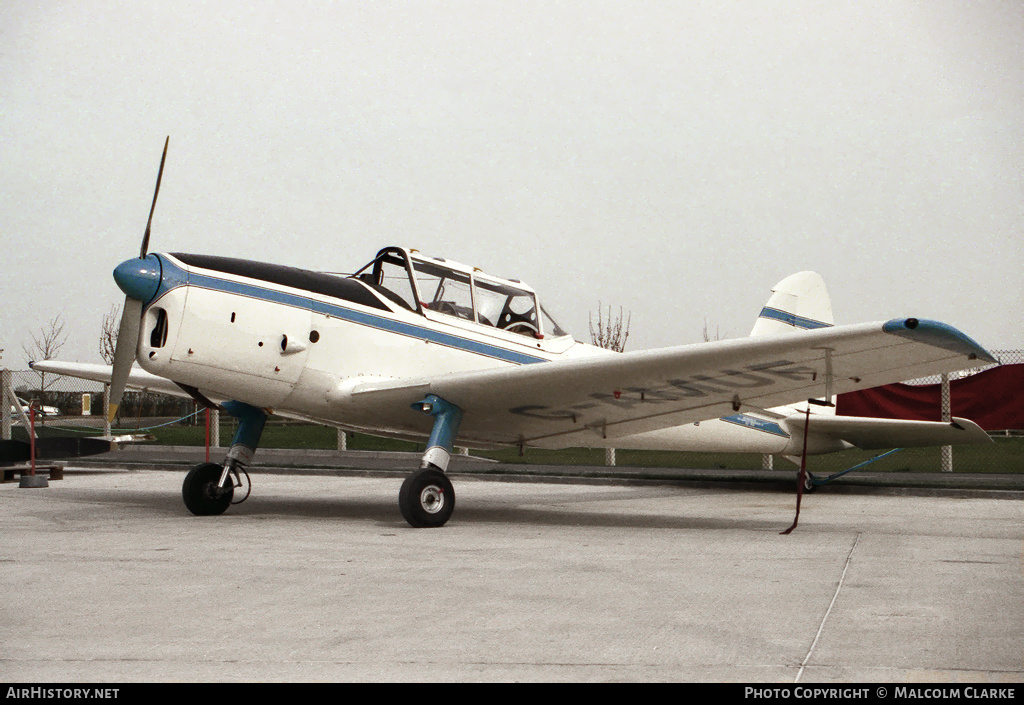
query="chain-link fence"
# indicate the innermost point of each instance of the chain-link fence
(1005, 357)
(74, 406)
(73, 397)
(70, 406)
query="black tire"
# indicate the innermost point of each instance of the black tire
(427, 498)
(202, 495)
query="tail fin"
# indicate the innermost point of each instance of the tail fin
(798, 302)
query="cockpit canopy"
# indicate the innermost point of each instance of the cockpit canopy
(422, 284)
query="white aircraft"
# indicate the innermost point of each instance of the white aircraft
(419, 348)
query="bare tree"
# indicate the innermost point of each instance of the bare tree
(707, 335)
(108, 334)
(47, 343)
(610, 333)
(45, 346)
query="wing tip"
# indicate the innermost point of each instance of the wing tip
(940, 335)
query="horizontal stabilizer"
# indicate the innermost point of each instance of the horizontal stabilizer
(872, 434)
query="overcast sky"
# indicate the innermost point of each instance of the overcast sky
(673, 158)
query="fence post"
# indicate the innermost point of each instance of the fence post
(5, 399)
(215, 427)
(609, 456)
(342, 439)
(947, 416)
(106, 405)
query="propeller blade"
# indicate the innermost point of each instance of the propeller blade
(149, 223)
(124, 353)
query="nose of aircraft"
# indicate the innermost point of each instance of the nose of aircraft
(139, 278)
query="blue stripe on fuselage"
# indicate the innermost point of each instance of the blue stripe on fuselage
(174, 276)
(756, 424)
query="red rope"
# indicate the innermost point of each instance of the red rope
(801, 475)
(32, 436)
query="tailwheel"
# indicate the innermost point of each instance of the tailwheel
(202, 492)
(427, 498)
(809, 484)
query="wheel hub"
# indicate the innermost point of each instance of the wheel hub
(212, 490)
(432, 499)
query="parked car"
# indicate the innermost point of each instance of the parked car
(44, 410)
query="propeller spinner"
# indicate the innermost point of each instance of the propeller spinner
(138, 279)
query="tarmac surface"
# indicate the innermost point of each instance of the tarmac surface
(686, 577)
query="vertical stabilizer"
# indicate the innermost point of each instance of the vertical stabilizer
(798, 302)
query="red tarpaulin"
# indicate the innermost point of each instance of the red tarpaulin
(993, 399)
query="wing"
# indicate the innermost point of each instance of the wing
(141, 380)
(137, 378)
(562, 403)
(873, 434)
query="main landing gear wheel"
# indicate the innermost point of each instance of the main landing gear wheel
(201, 492)
(427, 498)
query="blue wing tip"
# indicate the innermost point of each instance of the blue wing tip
(938, 334)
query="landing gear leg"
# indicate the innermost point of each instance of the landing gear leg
(427, 498)
(209, 488)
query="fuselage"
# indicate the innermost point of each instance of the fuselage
(301, 343)
(296, 341)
